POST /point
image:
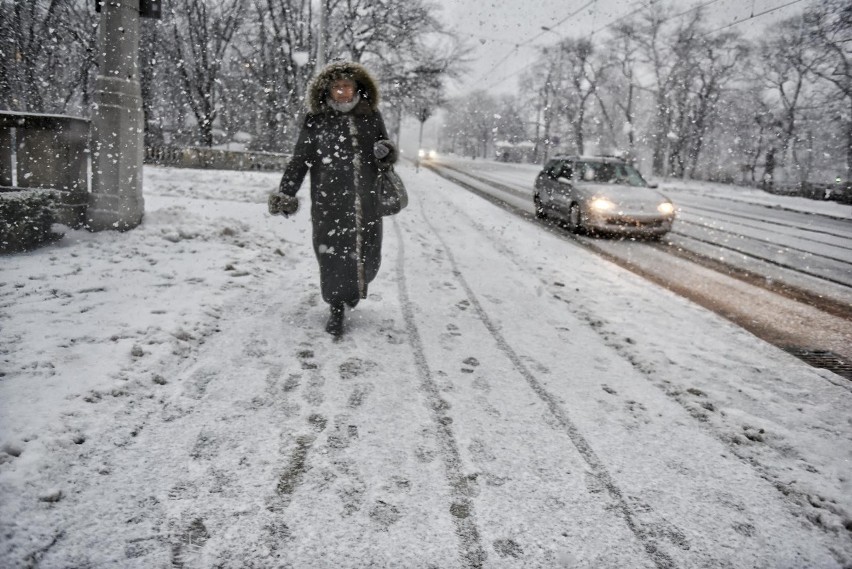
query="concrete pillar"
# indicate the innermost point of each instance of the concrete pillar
(116, 200)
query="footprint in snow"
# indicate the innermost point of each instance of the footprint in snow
(384, 514)
(508, 548)
(353, 367)
(359, 394)
(317, 422)
(480, 452)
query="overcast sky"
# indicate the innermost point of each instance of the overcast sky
(505, 33)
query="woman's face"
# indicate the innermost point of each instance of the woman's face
(342, 90)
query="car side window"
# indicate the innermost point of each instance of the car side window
(552, 168)
(558, 170)
(567, 170)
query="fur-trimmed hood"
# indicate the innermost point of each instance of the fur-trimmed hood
(368, 88)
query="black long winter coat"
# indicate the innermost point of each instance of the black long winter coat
(337, 149)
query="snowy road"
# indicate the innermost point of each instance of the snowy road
(776, 269)
(802, 242)
(172, 401)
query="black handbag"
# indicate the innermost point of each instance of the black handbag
(391, 196)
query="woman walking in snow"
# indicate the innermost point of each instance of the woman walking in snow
(343, 142)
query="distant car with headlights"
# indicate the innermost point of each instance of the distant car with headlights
(601, 194)
(423, 154)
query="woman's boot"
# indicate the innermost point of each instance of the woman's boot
(335, 320)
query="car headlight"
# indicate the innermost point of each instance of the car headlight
(666, 208)
(602, 204)
(432, 155)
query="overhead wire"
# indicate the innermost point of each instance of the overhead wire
(765, 12)
(610, 24)
(693, 9)
(535, 37)
(484, 39)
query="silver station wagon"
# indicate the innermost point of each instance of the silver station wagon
(601, 194)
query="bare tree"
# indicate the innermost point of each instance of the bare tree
(623, 85)
(414, 79)
(582, 73)
(201, 33)
(542, 84)
(31, 51)
(670, 57)
(715, 69)
(785, 64)
(470, 123)
(79, 25)
(379, 27)
(406, 44)
(830, 28)
(275, 52)
(510, 124)
(750, 124)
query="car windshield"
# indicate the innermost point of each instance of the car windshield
(610, 173)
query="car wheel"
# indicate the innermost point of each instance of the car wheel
(539, 210)
(575, 219)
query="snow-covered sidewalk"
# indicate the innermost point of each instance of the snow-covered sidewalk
(503, 399)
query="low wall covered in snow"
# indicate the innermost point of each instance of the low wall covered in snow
(214, 159)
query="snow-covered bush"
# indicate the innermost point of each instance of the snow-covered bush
(26, 220)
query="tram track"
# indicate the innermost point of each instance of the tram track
(803, 294)
(795, 293)
(718, 198)
(709, 225)
(728, 214)
(814, 312)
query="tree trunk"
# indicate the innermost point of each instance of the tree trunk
(628, 114)
(578, 131)
(658, 161)
(206, 128)
(769, 170)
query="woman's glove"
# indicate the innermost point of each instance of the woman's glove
(382, 148)
(282, 204)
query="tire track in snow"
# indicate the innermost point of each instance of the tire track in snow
(794, 497)
(461, 510)
(600, 472)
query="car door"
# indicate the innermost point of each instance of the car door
(563, 187)
(545, 181)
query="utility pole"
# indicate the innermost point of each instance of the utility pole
(116, 200)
